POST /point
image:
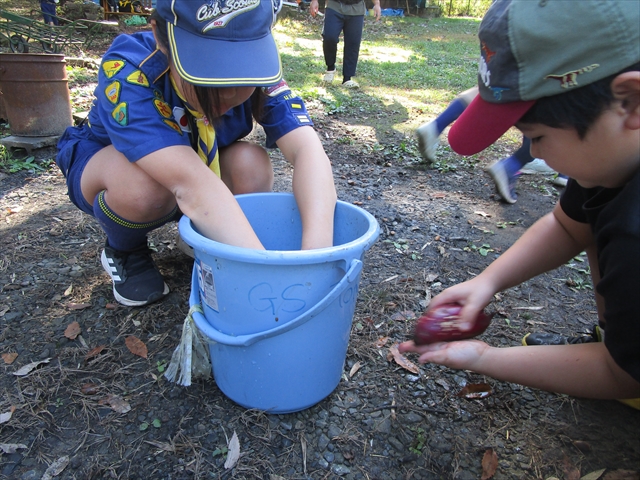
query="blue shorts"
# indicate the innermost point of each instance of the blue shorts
(75, 148)
(49, 12)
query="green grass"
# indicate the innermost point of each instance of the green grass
(10, 164)
(410, 68)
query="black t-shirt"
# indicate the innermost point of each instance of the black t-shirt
(614, 216)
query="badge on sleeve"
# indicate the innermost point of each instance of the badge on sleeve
(173, 125)
(181, 117)
(112, 92)
(303, 119)
(111, 67)
(163, 108)
(120, 114)
(276, 90)
(138, 78)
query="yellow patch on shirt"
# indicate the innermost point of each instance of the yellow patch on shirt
(138, 78)
(173, 125)
(120, 114)
(111, 67)
(112, 92)
(163, 108)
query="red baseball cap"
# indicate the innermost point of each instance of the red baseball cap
(482, 123)
(530, 50)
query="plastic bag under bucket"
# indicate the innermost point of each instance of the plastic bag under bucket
(278, 321)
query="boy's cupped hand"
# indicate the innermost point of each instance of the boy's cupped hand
(462, 355)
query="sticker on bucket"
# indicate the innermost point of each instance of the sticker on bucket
(207, 286)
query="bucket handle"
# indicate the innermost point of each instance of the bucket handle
(247, 340)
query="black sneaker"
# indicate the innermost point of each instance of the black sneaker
(136, 279)
(596, 335)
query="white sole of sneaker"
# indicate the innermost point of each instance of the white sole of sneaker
(502, 182)
(428, 141)
(329, 76)
(119, 298)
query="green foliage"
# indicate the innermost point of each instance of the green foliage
(9, 164)
(463, 8)
(419, 441)
(161, 365)
(483, 250)
(156, 423)
(80, 75)
(219, 451)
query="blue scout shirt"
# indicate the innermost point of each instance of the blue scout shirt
(137, 110)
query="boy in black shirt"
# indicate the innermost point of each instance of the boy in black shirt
(567, 74)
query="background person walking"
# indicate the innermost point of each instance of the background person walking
(345, 16)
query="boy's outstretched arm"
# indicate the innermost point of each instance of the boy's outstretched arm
(584, 370)
(550, 242)
(547, 244)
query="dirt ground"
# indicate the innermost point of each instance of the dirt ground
(91, 409)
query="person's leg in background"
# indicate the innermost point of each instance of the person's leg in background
(505, 172)
(331, 28)
(429, 133)
(49, 13)
(353, 26)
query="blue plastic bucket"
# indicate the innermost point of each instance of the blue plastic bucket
(278, 321)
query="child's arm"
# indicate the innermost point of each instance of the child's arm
(584, 370)
(547, 244)
(201, 195)
(312, 185)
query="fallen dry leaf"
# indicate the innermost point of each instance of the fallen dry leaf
(94, 352)
(136, 346)
(473, 391)
(593, 475)
(581, 445)
(402, 316)
(481, 213)
(11, 447)
(5, 417)
(489, 464)
(354, 369)
(72, 330)
(116, 403)
(622, 475)
(400, 359)
(9, 357)
(166, 447)
(68, 291)
(78, 306)
(431, 277)
(89, 389)
(29, 367)
(570, 470)
(381, 342)
(56, 468)
(443, 383)
(12, 210)
(234, 452)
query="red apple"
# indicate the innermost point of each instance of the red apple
(440, 324)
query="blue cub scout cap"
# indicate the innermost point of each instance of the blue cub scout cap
(223, 43)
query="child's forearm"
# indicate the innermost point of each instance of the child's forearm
(313, 185)
(544, 246)
(585, 370)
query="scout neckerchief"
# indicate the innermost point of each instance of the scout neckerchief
(207, 144)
